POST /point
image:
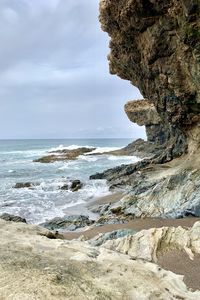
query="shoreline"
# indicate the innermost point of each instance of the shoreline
(135, 224)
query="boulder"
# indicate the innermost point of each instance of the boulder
(69, 223)
(76, 185)
(9, 217)
(21, 185)
(64, 155)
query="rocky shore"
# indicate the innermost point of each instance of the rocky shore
(144, 243)
(35, 266)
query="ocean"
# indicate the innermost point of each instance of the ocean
(46, 200)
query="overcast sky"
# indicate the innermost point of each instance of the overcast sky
(54, 77)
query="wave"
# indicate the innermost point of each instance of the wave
(103, 149)
(71, 147)
(127, 158)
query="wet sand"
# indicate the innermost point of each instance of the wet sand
(135, 224)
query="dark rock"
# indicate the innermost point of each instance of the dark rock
(156, 46)
(68, 222)
(21, 185)
(63, 155)
(76, 185)
(64, 187)
(102, 238)
(9, 217)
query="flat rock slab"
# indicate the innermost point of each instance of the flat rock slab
(35, 267)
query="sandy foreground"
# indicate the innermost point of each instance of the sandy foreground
(174, 260)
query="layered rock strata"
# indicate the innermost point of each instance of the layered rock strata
(143, 113)
(35, 267)
(156, 46)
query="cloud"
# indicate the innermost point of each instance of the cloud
(54, 74)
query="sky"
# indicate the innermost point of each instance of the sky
(54, 75)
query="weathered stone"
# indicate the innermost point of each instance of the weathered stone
(142, 112)
(64, 187)
(76, 185)
(62, 155)
(70, 223)
(156, 46)
(35, 267)
(21, 185)
(104, 237)
(146, 244)
(9, 217)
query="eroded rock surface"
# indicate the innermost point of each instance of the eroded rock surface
(147, 244)
(35, 267)
(70, 223)
(156, 46)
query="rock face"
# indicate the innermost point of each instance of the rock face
(147, 244)
(144, 113)
(68, 223)
(156, 46)
(35, 267)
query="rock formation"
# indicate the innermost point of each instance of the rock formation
(156, 46)
(63, 155)
(33, 266)
(144, 113)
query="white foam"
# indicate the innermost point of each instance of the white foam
(103, 149)
(71, 147)
(88, 158)
(127, 158)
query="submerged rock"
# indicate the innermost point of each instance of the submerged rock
(76, 185)
(63, 155)
(21, 185)
(9, 217)
(70, 223)
(73, 185)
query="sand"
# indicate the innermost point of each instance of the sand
(178, 262)
(173, 260)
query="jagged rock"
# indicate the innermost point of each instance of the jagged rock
(9, 217)
(21, 185)
(64, 187)
(147, 244)
(139, 148)
(70, 223)
(116, 234)
(109, 219)
(156, 46)
(76, 185)
(62, 155)
(35, 267)
(73, 185)
(142, 112)
(173, 194)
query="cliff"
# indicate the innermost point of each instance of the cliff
(156, 46)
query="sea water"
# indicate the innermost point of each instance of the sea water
(46, 200)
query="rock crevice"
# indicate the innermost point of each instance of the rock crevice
(156, 46)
